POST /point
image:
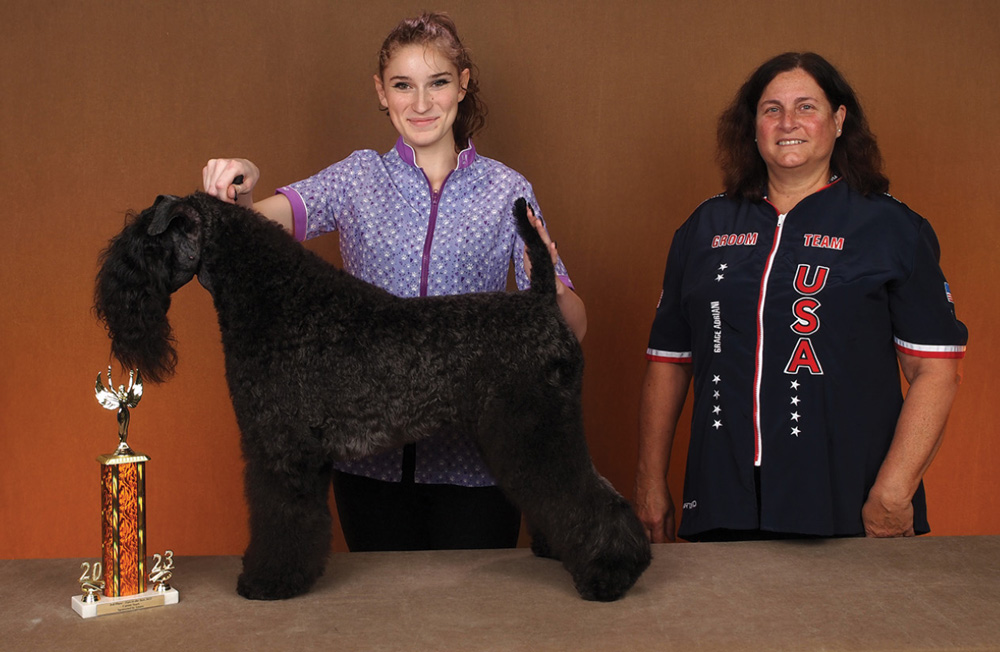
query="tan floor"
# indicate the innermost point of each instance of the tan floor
(916, 594)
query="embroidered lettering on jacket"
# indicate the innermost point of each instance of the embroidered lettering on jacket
(807, 320)
(823, 241)
(716, 327)
(731, 239)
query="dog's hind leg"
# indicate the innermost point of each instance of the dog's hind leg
(290, 530)
(538, 454)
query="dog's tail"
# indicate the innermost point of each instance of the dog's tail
(543, 273)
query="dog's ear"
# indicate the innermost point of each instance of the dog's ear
(165, 209)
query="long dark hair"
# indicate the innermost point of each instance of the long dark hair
(438, 30)
(856, 157)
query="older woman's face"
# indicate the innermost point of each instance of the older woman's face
(796, 125)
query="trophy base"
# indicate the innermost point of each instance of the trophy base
(125, 603)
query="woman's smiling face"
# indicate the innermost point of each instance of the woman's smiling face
(421, 89)
(796, 125)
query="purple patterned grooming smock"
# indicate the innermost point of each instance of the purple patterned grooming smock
(398, 234)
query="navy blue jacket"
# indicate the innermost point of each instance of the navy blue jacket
(792, 324)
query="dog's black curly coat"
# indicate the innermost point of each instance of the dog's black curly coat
(322, 366)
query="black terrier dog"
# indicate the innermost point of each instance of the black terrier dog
(322, 366)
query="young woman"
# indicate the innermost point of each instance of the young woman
(429, 217)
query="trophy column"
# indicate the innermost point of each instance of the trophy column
(123, 523)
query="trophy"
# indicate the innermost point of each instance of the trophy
(119, 581)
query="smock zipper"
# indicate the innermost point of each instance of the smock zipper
(425, 261)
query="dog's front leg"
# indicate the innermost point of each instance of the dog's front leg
(289, 531)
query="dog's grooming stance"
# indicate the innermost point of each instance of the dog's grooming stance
(322, 366)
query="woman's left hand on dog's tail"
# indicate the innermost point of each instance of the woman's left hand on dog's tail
(543, 233)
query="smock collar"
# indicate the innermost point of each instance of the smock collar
(409, 156)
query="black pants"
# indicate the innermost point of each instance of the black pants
(377, 515)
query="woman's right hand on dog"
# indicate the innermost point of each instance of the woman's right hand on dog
(219, 174)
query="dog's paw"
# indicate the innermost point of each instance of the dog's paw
(256, 588)
(610, 575)
(606, 582)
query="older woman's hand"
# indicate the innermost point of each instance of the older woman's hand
(883, 517)
(655, 508)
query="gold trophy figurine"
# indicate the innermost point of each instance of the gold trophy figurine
(121, 400)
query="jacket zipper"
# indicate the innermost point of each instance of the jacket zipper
(759, 354)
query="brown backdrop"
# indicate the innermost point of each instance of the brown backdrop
(608, 108)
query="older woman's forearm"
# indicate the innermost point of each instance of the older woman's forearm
(664, 389)
(919, 432)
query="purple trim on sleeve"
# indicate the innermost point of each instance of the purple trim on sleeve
(299, 212)
(565, 279)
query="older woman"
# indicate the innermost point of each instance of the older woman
(793, 300)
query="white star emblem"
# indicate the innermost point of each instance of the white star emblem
(716, 409)
(715, 394)
(796, 431)
(716, 380)
(719, 277)
(717, 424)
(795, 384)
(795, 400)
(723, 267)
(795, 416)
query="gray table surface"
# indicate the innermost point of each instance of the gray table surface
(930, 593)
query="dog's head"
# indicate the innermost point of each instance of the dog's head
(178, 226)
(157, 252)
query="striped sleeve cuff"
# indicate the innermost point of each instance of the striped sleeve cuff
(930, 350)
(656, 355)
